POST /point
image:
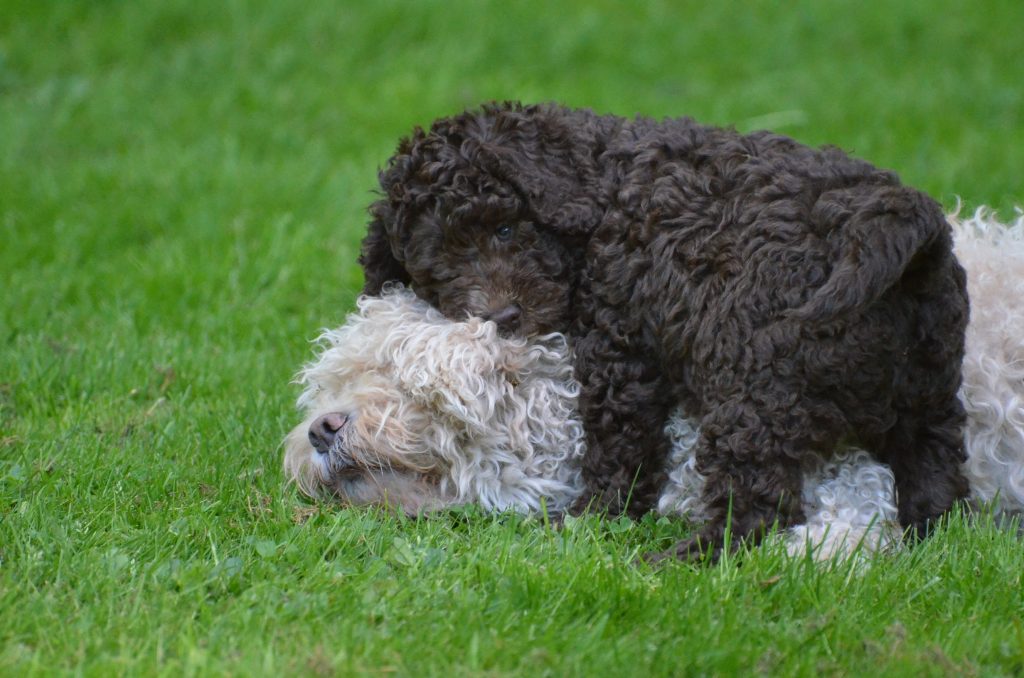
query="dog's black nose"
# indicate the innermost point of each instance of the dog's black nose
(507, 319)
(324, 431)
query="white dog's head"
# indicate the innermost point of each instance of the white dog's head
(406, 408)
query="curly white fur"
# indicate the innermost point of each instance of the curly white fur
(441, 413)
(444, 413)
(993, 389)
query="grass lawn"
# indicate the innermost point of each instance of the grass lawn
(182, 193)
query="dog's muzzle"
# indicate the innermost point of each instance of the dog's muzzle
(508, 318)
(325, 431)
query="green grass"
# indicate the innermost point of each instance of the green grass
(182, 192)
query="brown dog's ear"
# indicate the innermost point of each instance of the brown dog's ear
(377, 257)
(556, 197)
(543, 152)
(380, 253)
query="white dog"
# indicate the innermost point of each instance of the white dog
(406, 408)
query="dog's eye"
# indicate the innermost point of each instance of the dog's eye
(504, 232)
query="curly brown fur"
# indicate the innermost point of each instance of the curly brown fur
(790, 298)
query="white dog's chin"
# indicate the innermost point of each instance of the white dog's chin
(451, 413)
(409, 492)
(323, 475)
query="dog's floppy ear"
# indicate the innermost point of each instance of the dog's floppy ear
(540, 154)
(381, 251)
(555, 196)
(377, 258)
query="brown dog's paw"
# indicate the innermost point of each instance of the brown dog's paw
(608, 503)
(699, 549)
(581, 505)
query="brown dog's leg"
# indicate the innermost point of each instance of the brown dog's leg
(926, 454)
(625, 401)
(750, 452)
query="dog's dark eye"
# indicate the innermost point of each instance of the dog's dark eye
(504, 232)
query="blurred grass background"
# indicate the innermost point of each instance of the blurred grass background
(183, 188)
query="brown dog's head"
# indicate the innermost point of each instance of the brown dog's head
(485, 215)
